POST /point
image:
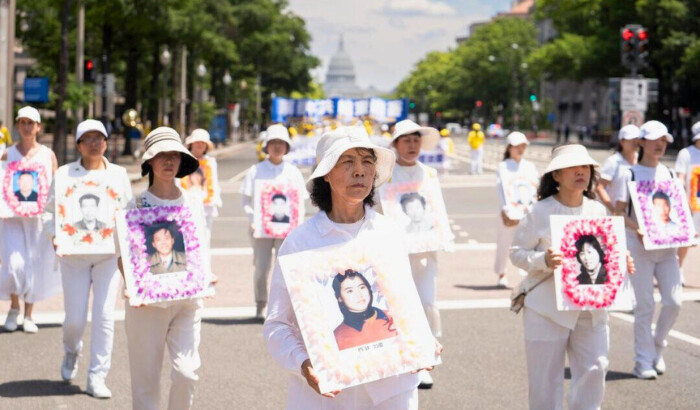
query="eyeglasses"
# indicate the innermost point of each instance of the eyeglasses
(91, 139)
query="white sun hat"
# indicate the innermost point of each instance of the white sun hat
(628, 132)
(696, 131)
(199, 135)
(90, 125)
(571, 155)
(277, 132)
(653, 130)
(166, 139)
(333, 144)
(30, 113)
(429, 135)
(517, 138)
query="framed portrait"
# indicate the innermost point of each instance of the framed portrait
(593, 274)
(418, 207)
(25, 189)
(85, 215)
(663, 213)
(694, 189)
(519, 193)
(359, 312)
(201, 182)
(162, 256)
(278, 209)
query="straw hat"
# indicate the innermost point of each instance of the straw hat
(199, 135)
(90, 125)
(166, 139)
(568, 156)
(517, 138)
(429, 136)
(653, 130)
(333, 144)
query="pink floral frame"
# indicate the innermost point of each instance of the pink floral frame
(13, 207)
(262, 220)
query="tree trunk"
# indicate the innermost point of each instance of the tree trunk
(131, 85)
(153, 94)
(59, 136)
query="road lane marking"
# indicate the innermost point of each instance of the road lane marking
(673, 333)
(471, 246)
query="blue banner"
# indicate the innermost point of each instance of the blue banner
(380, 109)
(36, 89)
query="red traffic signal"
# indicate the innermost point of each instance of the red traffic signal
(642, 35)
(89, 71)
(479, 103)
(627, 34)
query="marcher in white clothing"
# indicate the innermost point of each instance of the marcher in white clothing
(82, 271)
(661, 264)
(29, 270)
(514, 165)
(349, 168)
(177, 325)
(566, 188)
(199, 143)
(274, 168)
(689, 158)
(625, 157)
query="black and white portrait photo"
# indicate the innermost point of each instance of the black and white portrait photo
(89, 205)
(590, 256)
(414, 206)
(280, 209)
(165, 248)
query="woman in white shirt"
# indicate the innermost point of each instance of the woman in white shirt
(175, 325)
(514, 166)
(661, 264)
(273, 169)
(625, 157)
(80, 272)
(342, 186)
(566, 188)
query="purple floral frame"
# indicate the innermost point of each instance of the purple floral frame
(148, 288)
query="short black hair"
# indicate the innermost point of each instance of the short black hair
(591, 240)
(168, 226)
(279, 196)
(661, 195)
(411, 196)
(30, 173)
(349, 274)
(89, 196)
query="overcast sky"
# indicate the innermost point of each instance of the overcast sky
(385, 38)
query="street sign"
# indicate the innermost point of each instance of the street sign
(633, 94)
(109, 85)
(633, 117)
(36, 89)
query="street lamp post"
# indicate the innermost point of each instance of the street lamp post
(244, 105)
(201, 72)
(516, 117)
(165, 58)
(227, 81)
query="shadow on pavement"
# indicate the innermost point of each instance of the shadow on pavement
(38, 388)
(242, 321)
(612, 375)
(481, 287)
(19, 329)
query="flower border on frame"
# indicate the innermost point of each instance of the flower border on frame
(694, 188)
(70, 230)
(672, 188)
(594, 296)
(148, 287)
(26, 209)
(271, 229)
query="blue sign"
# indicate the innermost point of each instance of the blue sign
(36, 89)
(382, 110)
(217, 128)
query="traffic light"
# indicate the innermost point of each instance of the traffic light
(533, 97)
(479, 103)
(628, 45)
(89, 71)
(642, 47)
(411, 105)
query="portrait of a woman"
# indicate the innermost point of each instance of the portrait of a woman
(362, 322)
(590, 256)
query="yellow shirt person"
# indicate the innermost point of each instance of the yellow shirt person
(476, 142)
(5, 137)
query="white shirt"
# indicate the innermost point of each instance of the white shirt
(687, 158)
(532, 239)
(266, 170)
(612, 167)
(509, 167)
(281, 331)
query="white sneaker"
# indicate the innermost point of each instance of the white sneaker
(29, 326)
(426, 381)
(641, 372)
(97, 388)
(69, 368)
(502, 282)
(11, 321)
(659, 365)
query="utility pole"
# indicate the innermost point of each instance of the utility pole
(257, 105)
(80, 55)
(7, 61)
(183, 90)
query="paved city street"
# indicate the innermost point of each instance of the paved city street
(484, 361)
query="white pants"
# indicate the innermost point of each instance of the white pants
(663, 265)
(262, 259)
(425, 271)
(546, 346)
(477, 160)
(352, 398)
(149, 330)
(504, 239)
(209, 219)
(79, 273)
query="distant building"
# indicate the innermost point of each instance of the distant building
(340, 78)
(519, 9)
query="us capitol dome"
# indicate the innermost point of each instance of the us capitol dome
(340, 78)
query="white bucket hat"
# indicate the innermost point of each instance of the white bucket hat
(166, 139)
(90, 125)
(277, 132)
(333, 144)
(653, 130)
(29, 112)
(199, 135)
(628, 132)
(429, 136)
(567, 156)
(696, 131)
(517, 138)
